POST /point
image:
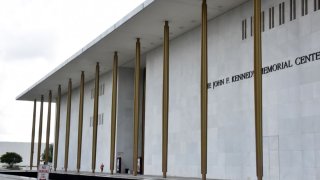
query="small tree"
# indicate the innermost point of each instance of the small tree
(10, 158)
(43, 155)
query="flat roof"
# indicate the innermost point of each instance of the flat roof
(145, 22)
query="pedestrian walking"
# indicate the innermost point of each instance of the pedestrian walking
(101, 167)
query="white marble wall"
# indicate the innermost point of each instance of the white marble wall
(291, 100)
(87, 130)
(184, 108)
(153, 113)
(125, 111)
(104, 130)
(103, 141)
(124, 132)
(124, 145)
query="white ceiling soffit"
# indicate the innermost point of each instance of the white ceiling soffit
(145, 22)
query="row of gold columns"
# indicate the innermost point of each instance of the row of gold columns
(113, 110)
(46, 157)
(95, 114)
(68, 117)
(204, 104)
(136, 106)
(56, 139)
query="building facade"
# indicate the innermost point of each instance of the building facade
(290, 33)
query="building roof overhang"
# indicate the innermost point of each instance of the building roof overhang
(145, 22)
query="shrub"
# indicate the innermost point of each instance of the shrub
(10, 158)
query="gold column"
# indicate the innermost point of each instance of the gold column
(66, 150)
(56, 139)
(48, 128)
(95, 119)
(114, 110)
(165, 99)
(204, 90)
(40, 132)
(80, 123)
(136, 107)
(33, 132)
(258, 87)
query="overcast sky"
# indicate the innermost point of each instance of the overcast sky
(35, 37)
